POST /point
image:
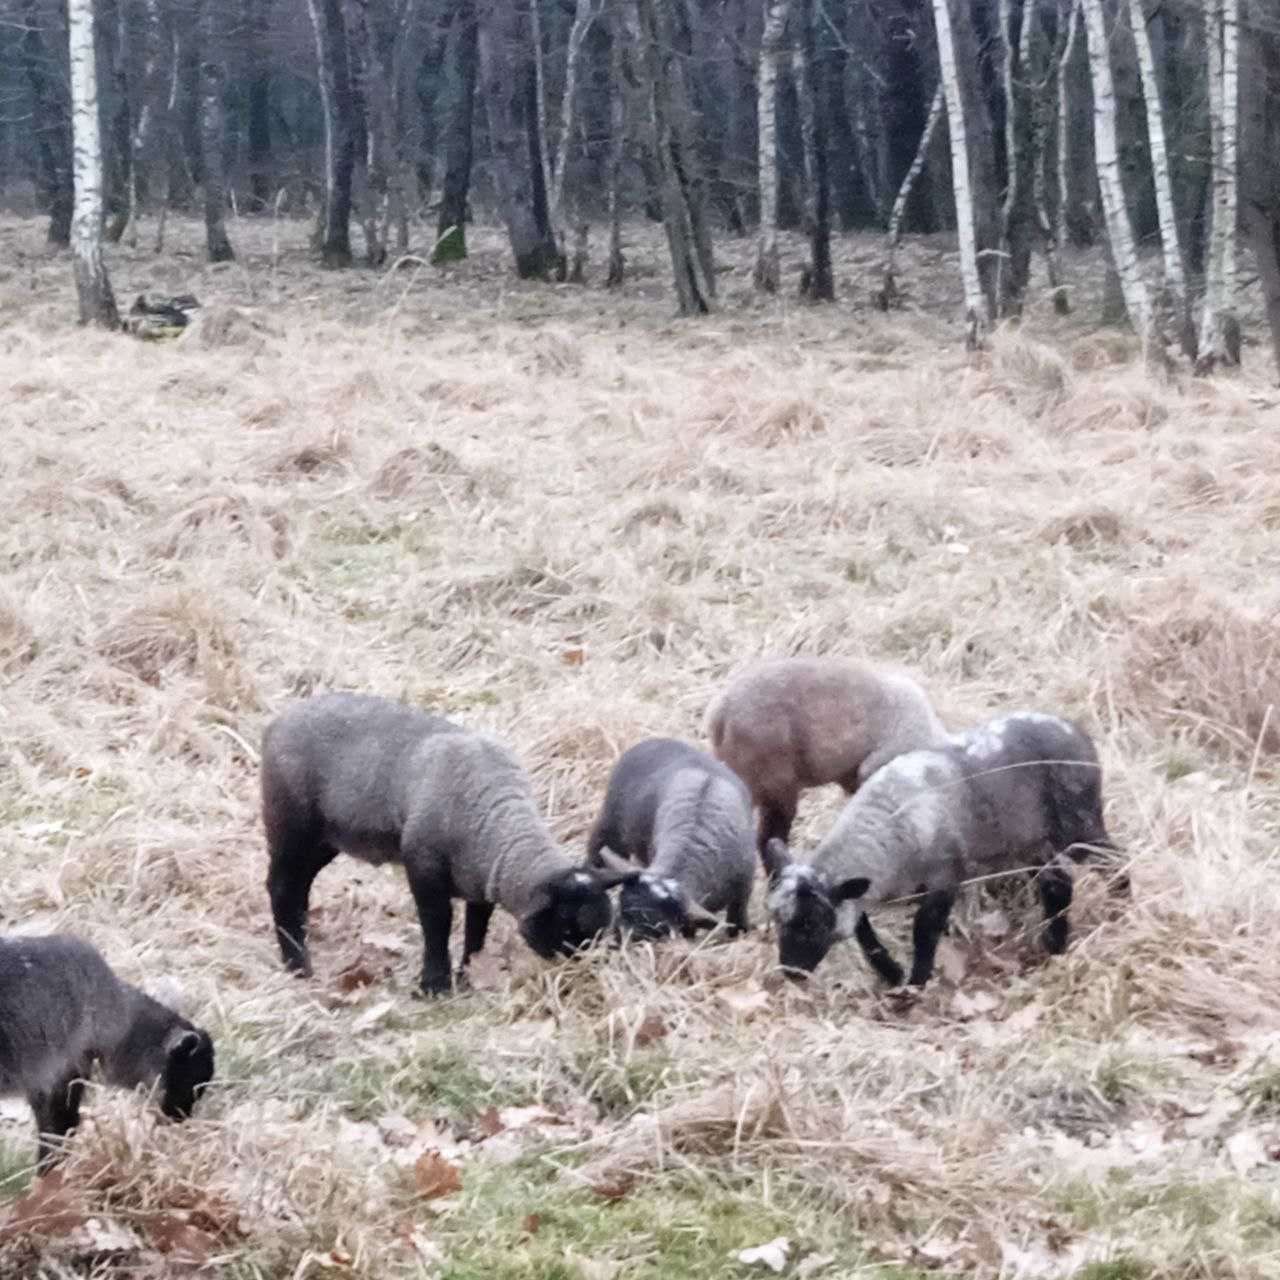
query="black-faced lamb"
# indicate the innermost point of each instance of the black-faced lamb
(686, 819)
(785, 724)
(1020, 792)
(63, 1012)
(386, 783)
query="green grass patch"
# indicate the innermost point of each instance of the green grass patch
(16, 1159)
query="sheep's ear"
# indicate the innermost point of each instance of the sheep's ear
(607, 877)
(181, 1042)
(776, 858)
(847, 890)
(615, 862)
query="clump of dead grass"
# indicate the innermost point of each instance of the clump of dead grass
(418, 470)
(327, 455)
(17, 636)
(214, 327)
(234, 515)
(1031, 375)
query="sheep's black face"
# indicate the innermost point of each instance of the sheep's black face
(575, 909)
(805, 919)
(188, 1069)
(652, 907)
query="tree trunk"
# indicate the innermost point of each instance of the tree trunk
(151, 102)
(334, 67)
(1260, 153)
(114, 28)
(51, 125)
(213, 128)
(817, 282)
(976, 315)
(398, 132)
(451, 234)
(889, 295)
(508, 74)
(584, 15)
(664, 42)
(771, 52)
(1119, 230)
(258, 106)
(93, 288)
(1219, 328)
(375, 86)
(1174, 300)
(1018, 212)
(169, 143)
(617, 144)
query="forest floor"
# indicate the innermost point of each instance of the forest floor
(562, 515)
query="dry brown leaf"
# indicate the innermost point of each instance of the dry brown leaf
(650, 1029)
(573, 657)
(489, 1122)
(434, 1176)
(354, 976)
(531, 1224)
(50, 1209)
(173, 1235)
(615, 1186)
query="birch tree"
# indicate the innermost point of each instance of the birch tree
(93, 288)
(1137, 300)
(1219, 328)
(889, 296)
(585, 14)
(1175, 299)
(213, 128)
(771, 54)
(974, 302)
(334, 66)
(1260, 154)
(1018, 209)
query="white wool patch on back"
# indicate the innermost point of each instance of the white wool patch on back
(583, 877)
(784, 896)
(986, 740)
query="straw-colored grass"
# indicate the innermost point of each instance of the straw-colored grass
(564, 516)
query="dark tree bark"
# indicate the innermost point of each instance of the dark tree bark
(334, 63)
(1017, 32)
(664, 47)
(46, 76)
(113, 29)
(617, 144)
(1260, 152)
(213, 127)
(817, 283)
(509, 83)
(451, 232)
(258, 106)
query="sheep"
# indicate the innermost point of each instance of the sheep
(63, 1011)
(1020, 792)
(386, 783)
(686, 818)
(785, 724)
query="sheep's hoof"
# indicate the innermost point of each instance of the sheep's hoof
(901, 997)
(433, 987)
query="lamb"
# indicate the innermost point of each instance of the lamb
(785, 724)
(686, 818)
(63, 1011)
(1023, 791)
(386, 783)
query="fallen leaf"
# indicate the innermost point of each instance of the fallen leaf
(523, 1117)
(373, 1015)
(178, 1238)
(1246, 1151)
(614, 1186)
(353, 976)
(651, 1029)
(744, 1001)
(434, 1176)
(489, 1122)
(573, 657)
(50, 1209)
(531, 1224)
(105, 1235)
(964, 1005)
(773, 1255)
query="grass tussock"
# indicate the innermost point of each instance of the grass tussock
(564, 519)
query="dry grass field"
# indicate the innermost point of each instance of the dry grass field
(563, 516)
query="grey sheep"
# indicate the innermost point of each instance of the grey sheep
(686, 819)
(63, 1011)
(785, 724)
(386, 783)
(1020, 792)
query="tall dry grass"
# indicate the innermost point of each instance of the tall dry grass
(565, 517)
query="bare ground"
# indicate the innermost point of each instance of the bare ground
(564, 516)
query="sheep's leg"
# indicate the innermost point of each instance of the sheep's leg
(776, 817)
(601, 835)
(1055, 886)
(295, 863)
(876, 952)
(435, 914)
(475, 928)
(930, 922)
(736, 914)
(57, 1114)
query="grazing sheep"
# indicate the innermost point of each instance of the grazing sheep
(62, 1011)
(686, 819)
(385, 783)
(789, 723)
(1024, 791)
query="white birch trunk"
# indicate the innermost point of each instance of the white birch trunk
(1064, 120)
(1175, 283)
(1219, 329)
(93, 288)
(1137, 300)
(974, 303)
(584, 15)
(888, 296)
(775, 23)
